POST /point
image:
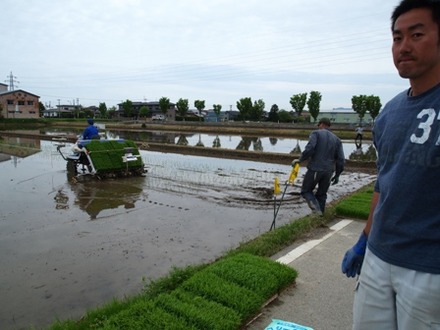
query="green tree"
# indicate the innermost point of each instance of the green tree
(298, 102)
(313, 103)
(217, 109)
(164, 105)
(111, 112)
(373, 105)
(258, 110)
(144, 111)
(127, 107)
(245, 108)
(87, 113)
(273, 113)
(359, 104)
(102, 109)
(182, 107)
(200, 105)
(285, 116)
(41, 109)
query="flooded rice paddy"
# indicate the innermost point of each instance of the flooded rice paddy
(70, 245)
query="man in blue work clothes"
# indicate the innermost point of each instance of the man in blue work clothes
(91, 131)
(326, 156)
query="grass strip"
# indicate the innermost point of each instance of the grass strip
(270, 243)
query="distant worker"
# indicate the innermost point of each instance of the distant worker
(359, 132)
(91, 132)
(325, 154)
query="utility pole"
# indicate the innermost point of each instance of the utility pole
(12, 80)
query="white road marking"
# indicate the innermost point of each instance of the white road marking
(300, 250)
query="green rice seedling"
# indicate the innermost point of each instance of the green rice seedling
(95, 319)
(263, 276)
(357, 205)
(198, 311)
(210, 286)
(170, 282)
(262, 282)
(107, 155)
(145, 315)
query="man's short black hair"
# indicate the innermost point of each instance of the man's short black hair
(407, 5)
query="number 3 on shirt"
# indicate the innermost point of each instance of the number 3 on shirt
(425, 126)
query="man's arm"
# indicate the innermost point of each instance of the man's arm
(339, 162)
(354, 257)
(369, 223)
(309, 150)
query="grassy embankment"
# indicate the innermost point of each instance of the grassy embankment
(224, 294)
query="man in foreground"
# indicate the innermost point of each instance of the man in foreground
(399, 249)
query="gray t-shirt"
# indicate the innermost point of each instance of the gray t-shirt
(406, 222)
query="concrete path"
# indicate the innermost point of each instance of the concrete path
(323, 296)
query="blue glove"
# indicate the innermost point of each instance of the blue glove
(352, 262)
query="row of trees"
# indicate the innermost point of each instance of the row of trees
(254, 110)
(362, 104)
(298, 102)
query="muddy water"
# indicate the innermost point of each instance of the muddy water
(69, 245)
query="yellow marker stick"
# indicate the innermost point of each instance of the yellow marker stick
(276, 186)
(293, 174)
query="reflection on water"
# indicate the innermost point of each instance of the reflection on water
(250, 143)
(297, 149)
(368, 155)
(182, 141)
(94, 196)
(246, 142)
(200, 143)
(216, 143)
(18, 146)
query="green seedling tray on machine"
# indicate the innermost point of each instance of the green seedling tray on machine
(109, 155)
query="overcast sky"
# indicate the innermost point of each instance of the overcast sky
(219, 51)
